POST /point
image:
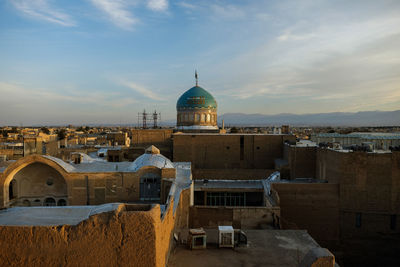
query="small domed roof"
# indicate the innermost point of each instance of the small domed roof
(152, 158)
(196, 97)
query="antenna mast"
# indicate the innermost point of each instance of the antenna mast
(148, 117)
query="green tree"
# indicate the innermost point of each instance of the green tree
(61, 134)
(45, 130)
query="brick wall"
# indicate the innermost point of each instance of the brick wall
(228, 151)
(314, 207)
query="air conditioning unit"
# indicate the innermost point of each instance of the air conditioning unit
(197, 238)
(226, 236)
(336, 146)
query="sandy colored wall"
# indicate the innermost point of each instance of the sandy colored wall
(51, 147)
(126, 238)
(111, 187)
(36, 182)
(168, 173)
(183, 210)
(18, 166)
(151, 136)
(369, 186)
(32, 146)
(238, 217)
(169, 224)
(103, 188)
(208, 151)
(314, 207)
(9, 153)
(369, 190)
(210, 216)
(82, 188)
(302, 161)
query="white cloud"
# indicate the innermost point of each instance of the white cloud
(263, 16)
(228, 11)
(141, 90)
(187, 5)
(289, 36)
(361, 80)
(157, 5)
(40, 9)
(117, 11)
(332, 64)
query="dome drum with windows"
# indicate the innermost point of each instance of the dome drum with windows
(197, 109)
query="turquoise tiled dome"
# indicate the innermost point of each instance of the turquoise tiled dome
(196, 97)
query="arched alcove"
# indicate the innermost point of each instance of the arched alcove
(49, 201)
(203, 117)
(34, 184)
(61, 202)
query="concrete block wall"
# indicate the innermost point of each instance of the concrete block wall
(302, 161)
(369, 188)
(314, 207)
(229, 151)
(238, 217)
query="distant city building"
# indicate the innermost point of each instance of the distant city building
(276, 130)
(118, 139)
(380, 141)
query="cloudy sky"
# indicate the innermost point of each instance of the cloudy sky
(103, 61)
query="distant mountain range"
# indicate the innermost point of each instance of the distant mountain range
(363, 118)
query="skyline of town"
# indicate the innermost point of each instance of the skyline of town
(173, 133)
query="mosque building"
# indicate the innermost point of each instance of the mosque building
(197, 110)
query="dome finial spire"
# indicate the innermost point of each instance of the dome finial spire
(196, 77)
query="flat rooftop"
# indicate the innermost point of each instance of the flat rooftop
(265, 248)
(52, 216)
(228, 184)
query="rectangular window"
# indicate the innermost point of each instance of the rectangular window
(393, 219)
(358, 220)
(198, 198)
(226, 199)
(241, 147)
